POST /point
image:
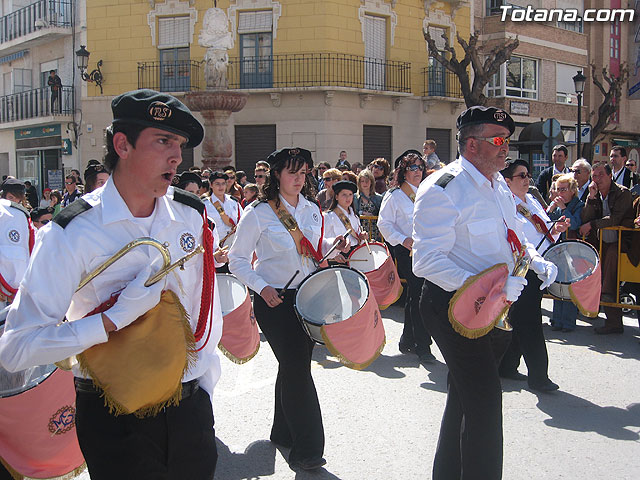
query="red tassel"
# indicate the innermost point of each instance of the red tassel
(208, 284)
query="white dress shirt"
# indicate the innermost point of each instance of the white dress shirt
(531, 234)
(261, 231)
(618, 176)
(461, 230)
(34, 334)
(230, 206)
(395, 220)
(333, 226)
(14, 243)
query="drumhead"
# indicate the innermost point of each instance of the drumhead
(575, 260)
(364, 261)
(19, 382)
(331, 295)
(232, 292)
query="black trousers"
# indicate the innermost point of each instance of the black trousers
(525, 316)
(415, 331)
(470, 441)
(176, 444)
(297, 420)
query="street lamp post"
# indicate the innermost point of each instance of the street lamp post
(578, 83)
(83, 62)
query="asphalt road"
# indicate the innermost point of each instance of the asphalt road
(382, 423)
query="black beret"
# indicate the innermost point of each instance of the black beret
(478, 115)
(94, 167)
(294, 153)
(157, 110)
(13, 185)
(36, 213)
(217, 175)
(511, 165)
(189, 177)
(344, 185)
(407, 152)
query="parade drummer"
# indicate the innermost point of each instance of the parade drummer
(144, 148)
(465, 222)
(17, 236)
(526, 313)
(340, 217)
(285, 230)
(395, 225)
(223, 209)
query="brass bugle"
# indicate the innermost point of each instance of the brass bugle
(179, 264)
(520, 269)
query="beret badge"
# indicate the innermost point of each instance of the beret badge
(160, 111)
(500, 116)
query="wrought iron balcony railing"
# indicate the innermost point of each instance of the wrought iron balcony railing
(440, 82)
(38, 15)
(35, 103)
(283, 71)
(176, 76)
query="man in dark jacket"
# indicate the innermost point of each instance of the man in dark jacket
(621, 174)
(559, 158)
(608, 205)
(56, 91)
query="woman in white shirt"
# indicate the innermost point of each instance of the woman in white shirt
(341, 215)
(280, 252)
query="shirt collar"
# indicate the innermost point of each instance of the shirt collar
(302, 203)
(476, 176)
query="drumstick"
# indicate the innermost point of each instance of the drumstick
(552, 222)
(335, 245)
(284, 289)
(357, 260)
(366, 242)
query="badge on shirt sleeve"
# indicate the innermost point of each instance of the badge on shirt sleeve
(187, 242)
(14, 236)
(315, 217)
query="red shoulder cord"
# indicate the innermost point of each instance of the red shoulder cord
(32, 240)
(514, 241)
(208, 285)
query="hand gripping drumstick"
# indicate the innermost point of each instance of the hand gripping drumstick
(284, 289)
(335, 245)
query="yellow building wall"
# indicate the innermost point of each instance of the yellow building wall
(118, 33)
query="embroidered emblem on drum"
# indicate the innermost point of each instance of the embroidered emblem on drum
(391, 278)
(477, 305)
(376, 317)
(62, 421)
(14, 236)
(252, 317)
(187, 242)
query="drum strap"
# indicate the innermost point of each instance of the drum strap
(408, 191)
(225, 218)
(538, 223)
(303, 245)
(347, 224)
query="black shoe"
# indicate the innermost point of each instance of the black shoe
(545, 386)
(426, 357)
(307, 464)
(514, 376)
(608, 330)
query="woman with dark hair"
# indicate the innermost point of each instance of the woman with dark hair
(525, 314)
(341, 216)
(233, 188)
(56, 202)
(395, 222)
(367, 202)
(95, 176)
(380, 169)
(285, 230)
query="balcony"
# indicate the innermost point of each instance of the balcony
(39, 22)
(293, 71)
(33, 104)
(440, 82)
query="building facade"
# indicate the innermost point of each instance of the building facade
(37, 122)
(327, 75)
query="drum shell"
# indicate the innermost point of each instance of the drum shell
(560, 289)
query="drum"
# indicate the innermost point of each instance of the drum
(335, 308)
(578, 277)
(377, 264)
(240, 337)
(37, 422)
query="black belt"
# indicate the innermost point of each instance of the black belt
(86, 385)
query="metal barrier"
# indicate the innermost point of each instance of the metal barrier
(37, 15)
(35, 103)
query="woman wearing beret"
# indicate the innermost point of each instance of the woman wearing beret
(341, 216)
(95, 176)
(395, 222)
(282, 251)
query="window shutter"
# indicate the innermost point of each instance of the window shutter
(376, 142)
(375, 37)
(442, 137)
(253, 143)
(436, 33)
(255, 22)
(174, 32)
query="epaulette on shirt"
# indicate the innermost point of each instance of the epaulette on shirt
(394, 189)
(234, 198)
(189, 199)
(17, 206)
(255, 203)
(444, 180)
(71, 211)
